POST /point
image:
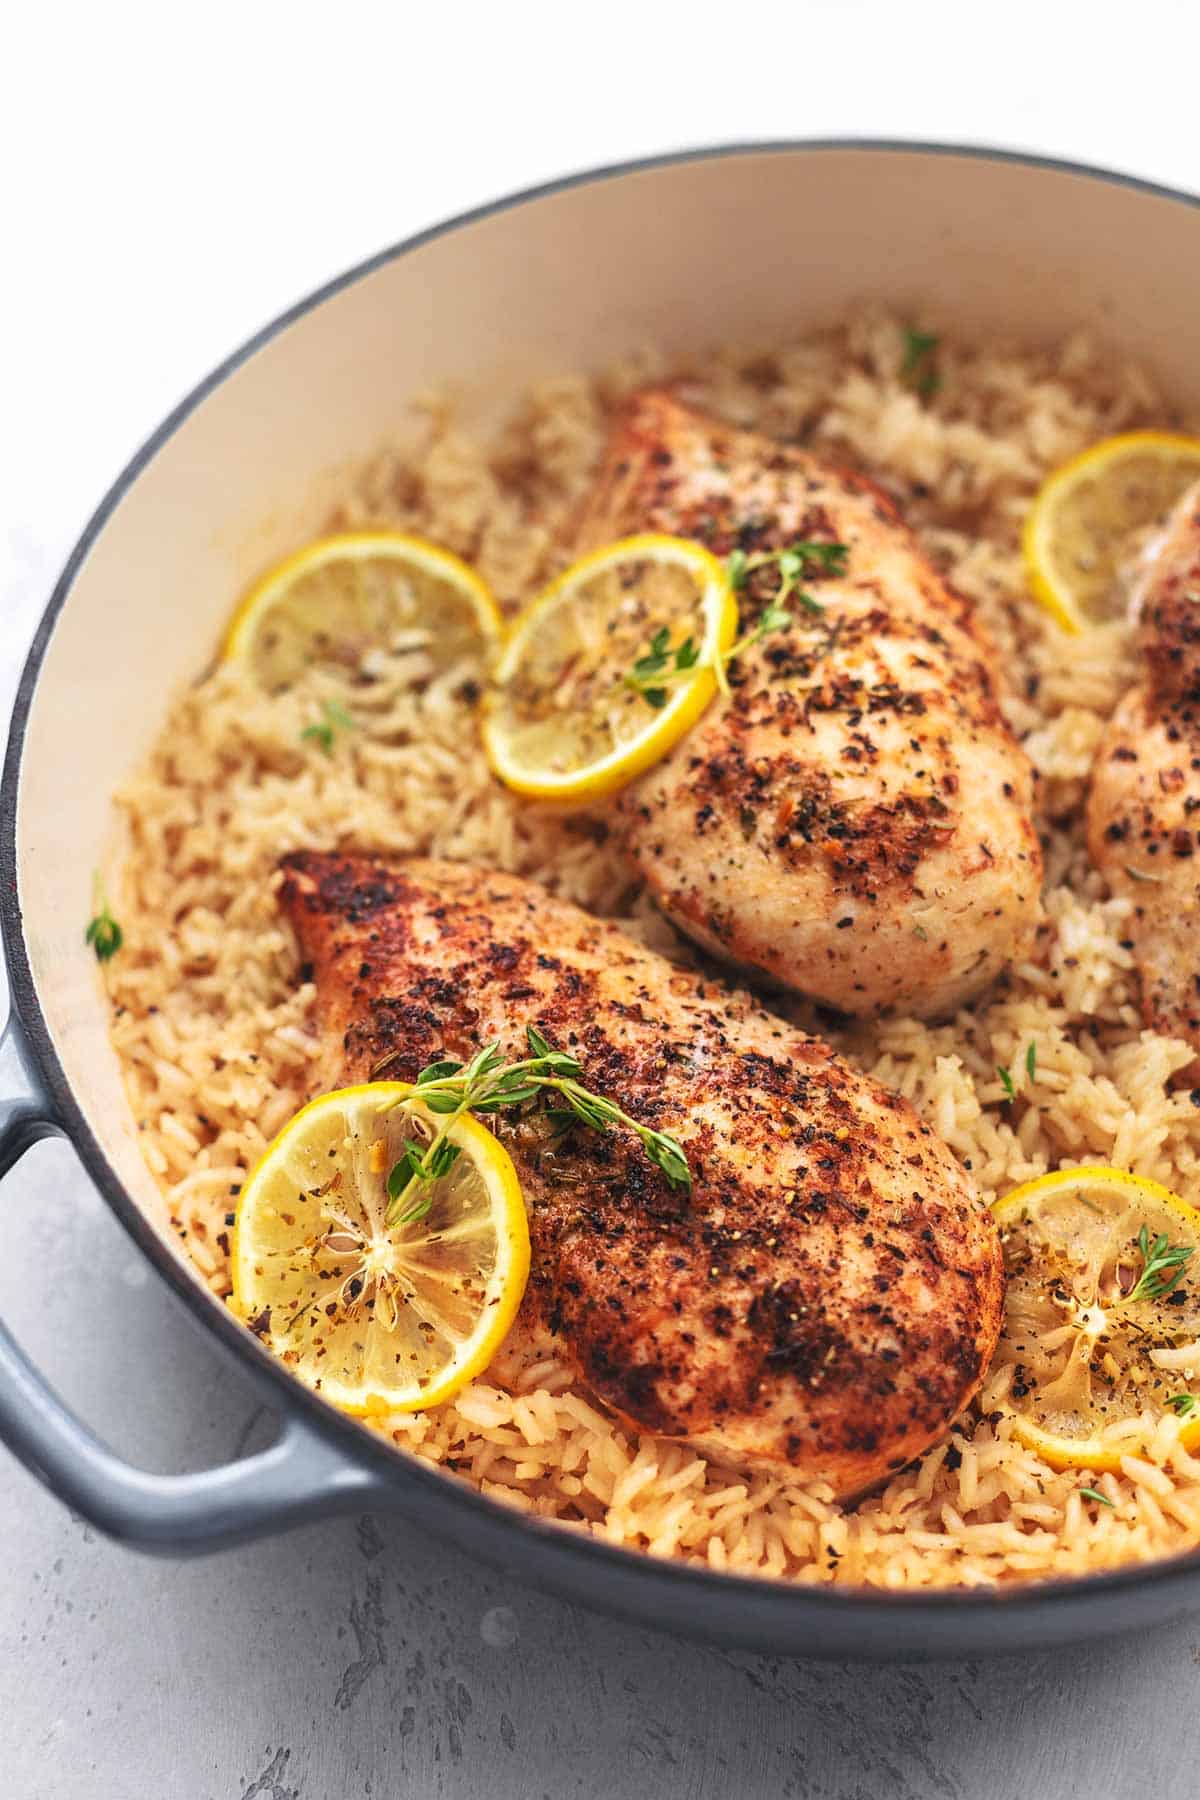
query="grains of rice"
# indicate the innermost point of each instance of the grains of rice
(214, 1024)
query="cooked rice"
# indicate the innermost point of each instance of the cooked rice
(216, 1030)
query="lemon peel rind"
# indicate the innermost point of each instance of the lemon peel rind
(1036, 533)
(716, 603)
(400, 546)
(1064, 1453)
(508, 1279)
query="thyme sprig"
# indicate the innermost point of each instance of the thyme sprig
(1163, 1266)
(1184, 1404)
(660, 665)
(489, 1084)
(652, 674)
(1006, 1077)
(334, 718)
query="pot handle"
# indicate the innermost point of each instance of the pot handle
(301, 1476)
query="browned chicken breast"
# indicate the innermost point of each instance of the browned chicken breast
(855, 822)
(829, 1294)
(1144, 813)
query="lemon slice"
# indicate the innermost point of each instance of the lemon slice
(338, 598)
(379, 1318)
(1101, 1334)
(1090, 516)
(560, 722)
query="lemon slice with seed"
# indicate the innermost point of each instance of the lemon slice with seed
(1091, 516)
(379, 1318)
(1101, 1334)
(561, 721)
(339, 598)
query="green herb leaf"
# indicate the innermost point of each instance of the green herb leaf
(1184, 1404)
(917, 346)
(441, 1103)
(104, 934)
(511, 1094)
(918, 369)
(420, 1208)
(548, 1059)
(441, 1159)
(1007, 1081)
(438, 1071)
(1031, 1062)
(735, 568)
(420, 1165)
(1163, 1267)
(829, 557)
(776, 618)
(334, 718)
(655, 660)
(409, 1167)
(665, 1154)
(594, 1111)
(1091, 1493)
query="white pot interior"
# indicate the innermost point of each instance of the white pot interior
(756, 245)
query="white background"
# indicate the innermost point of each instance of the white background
(172, 177)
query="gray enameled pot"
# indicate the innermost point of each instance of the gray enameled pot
(747, 242)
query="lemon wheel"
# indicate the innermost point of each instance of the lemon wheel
(379, 1317)
(339, 598)
(572, 714)
(1102, 1315)
(1090, 516)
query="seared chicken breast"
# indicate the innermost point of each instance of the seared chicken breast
(1144, 810)
(854, 823)
(828, 1295)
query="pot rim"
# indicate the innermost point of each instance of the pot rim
(529, 1536)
